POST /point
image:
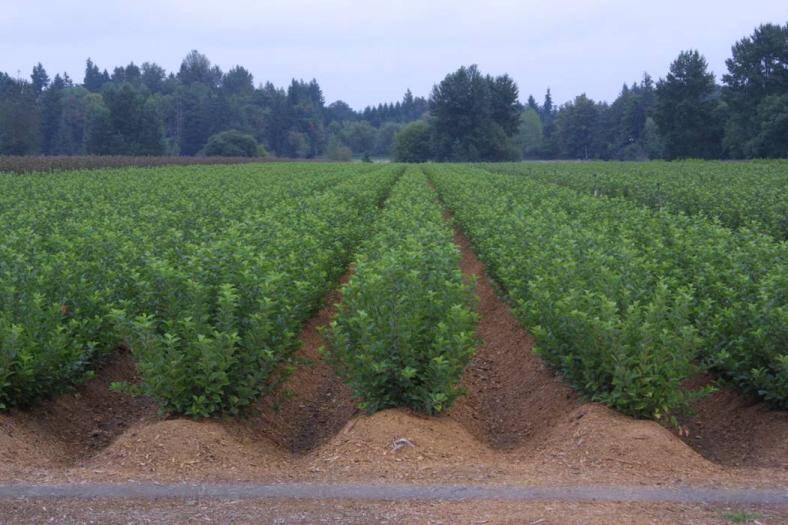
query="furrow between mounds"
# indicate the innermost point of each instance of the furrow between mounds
(72, 427)
(511, 395)
(515, 403)
(314, 403)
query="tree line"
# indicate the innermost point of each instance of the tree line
(469, 116)
(685, 114)
(143, 110)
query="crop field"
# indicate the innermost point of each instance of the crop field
(443, 301)
(737, 194)
(207, 273)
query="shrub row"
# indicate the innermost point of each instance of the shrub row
(738, 194)
(404, 330)
(30, 164)
(207, 271)
(627, 302)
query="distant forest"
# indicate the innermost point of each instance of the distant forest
(469, 116)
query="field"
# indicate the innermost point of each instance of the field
(555, 324)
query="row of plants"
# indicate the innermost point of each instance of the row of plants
(404, 330)
(29, 163)
(628, 303)
(206, 271)
(737, 194)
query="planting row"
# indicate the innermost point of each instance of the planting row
(29, 163)
(738, 194)
(207, 272)
(625, 301)
(404, 331)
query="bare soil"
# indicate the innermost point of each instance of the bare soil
(512, 398)
(737, 430)
(518, 424)
(74, 426)
(315, 403)
(352, 512)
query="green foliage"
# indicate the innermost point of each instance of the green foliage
(359, 136)
(413, 143)
(475, 117)
(231, 143)
(578, 127)
(338, 152)
(137, 127)
(755, 91)
(531, 137)
(741, 516)
(772, 129)
(750, 194)
(627, 302)
(404, 330)
(207, 274)
(18, 122)
(687, 109)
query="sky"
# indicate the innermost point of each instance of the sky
(369, 51)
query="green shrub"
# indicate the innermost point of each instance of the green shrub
(230, 144)
(404, 330)
(413, 143)
(207, 272)
(738, 194)
(626, 302)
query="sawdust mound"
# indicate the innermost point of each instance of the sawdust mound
(182, 448)
(595, 437)
(397, 436)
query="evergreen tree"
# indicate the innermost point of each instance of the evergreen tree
(757, 73)
(532, 104)
(153, 77)
(550, 148)
(19, 118)
(51, 102)
(475, 117)
(39, 79)
(94, 79)
(548, 111)
(197, 68)
(687, 112)
(238, 81)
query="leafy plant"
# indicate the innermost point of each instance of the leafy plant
(404, 330)
(625, 301)
(207, 272)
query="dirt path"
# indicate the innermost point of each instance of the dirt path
(396, 492)
(364, 512)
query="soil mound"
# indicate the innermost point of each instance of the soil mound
(398, 436)
(594, 437)
(182, 448)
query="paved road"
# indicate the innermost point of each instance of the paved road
(394, 492)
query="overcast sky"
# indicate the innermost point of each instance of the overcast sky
(369, 51)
